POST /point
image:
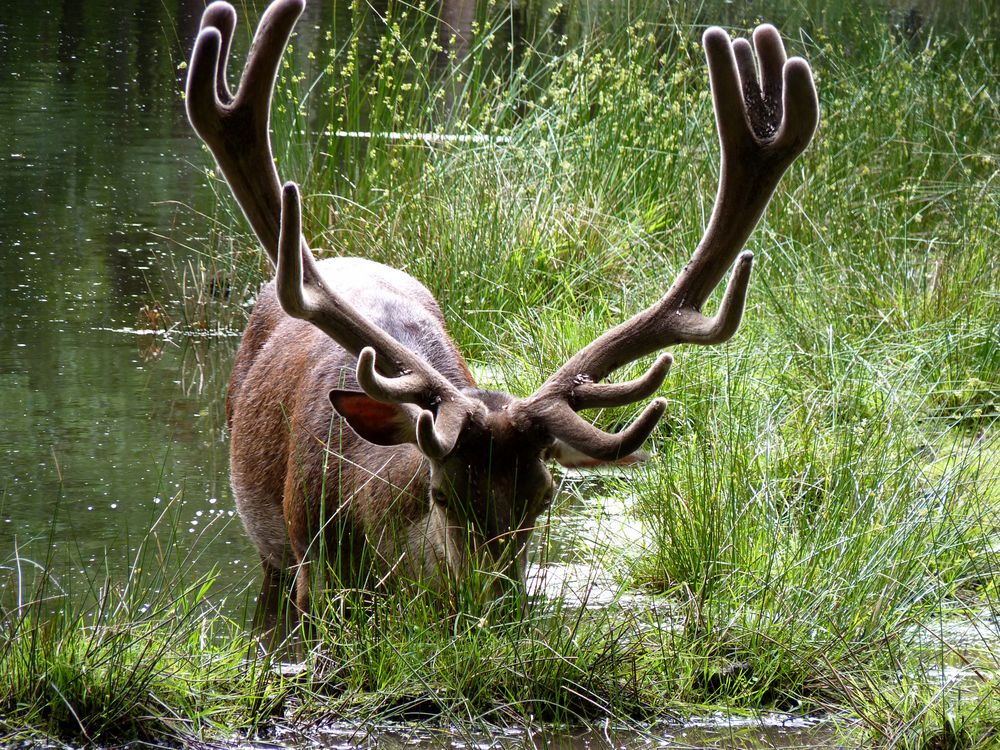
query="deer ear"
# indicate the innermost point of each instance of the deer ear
(376, 422)
(568, 456)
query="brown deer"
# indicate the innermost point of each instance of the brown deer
(356, 424)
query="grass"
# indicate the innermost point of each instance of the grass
(96, 658)
(820, 515)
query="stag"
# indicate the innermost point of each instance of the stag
(356, 425)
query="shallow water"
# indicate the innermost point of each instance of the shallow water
(768, 731)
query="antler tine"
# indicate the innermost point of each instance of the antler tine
(801, 110)
(437, 436)
(701, 329)
(590, 395)
(765, 118)
(302, 294)
(403, 389)
(269, 42)
(566, 425)
(202, 97)
(237, 128)
(222, 17)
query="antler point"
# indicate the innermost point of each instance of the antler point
(766, 28)
(715, 36)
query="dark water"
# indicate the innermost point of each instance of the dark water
(101, 426)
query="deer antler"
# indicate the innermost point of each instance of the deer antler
(303, 295)
(765, 113)
(237, 128)
(237, 131)
(764, 122)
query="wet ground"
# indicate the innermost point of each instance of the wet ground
(746, 733)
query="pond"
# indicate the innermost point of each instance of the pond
(102, 423)
(110, 413)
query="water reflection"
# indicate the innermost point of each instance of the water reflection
(94, 152)
(718, 731)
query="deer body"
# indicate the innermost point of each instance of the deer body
(358, 434)
(281, 421)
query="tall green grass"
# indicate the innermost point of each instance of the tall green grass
(825, 487)
(133, 648)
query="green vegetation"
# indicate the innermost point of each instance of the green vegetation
(821, 514)
(150, 658)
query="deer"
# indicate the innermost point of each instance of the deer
(354, 420)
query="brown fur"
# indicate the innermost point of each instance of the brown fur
(298, 469)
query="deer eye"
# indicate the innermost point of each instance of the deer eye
(548, 490)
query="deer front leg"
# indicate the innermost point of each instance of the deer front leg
(272, 613)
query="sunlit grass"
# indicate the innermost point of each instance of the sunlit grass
(146, 653)
(806, 521)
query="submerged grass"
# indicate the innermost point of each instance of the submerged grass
(821, 510)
